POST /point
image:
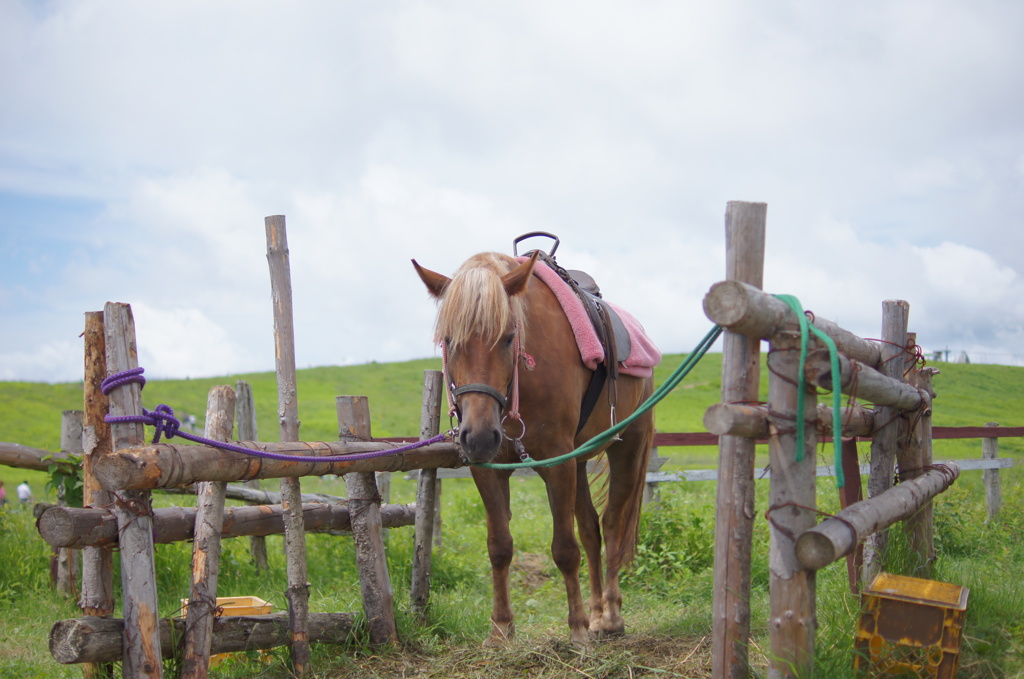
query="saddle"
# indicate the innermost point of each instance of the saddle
(610, 328)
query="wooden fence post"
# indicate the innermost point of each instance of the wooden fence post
(202, 602)
(245, 421)
(920, 527)
(70, 442)
(364, 508)
(426, 499)
(886, 437)
(734, 504)
(791, 499)
(97, 598)
(993, 484)
(133, 508)
(288, 414)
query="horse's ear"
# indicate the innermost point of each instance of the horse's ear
(435, 282)
(515, 280)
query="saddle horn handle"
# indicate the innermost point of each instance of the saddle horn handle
(532, 234)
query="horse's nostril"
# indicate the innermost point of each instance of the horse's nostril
(480, 444)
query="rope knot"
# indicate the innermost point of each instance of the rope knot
(164, 421)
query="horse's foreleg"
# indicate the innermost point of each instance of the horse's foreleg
(588, 525)
(494, 492)
(565, 550)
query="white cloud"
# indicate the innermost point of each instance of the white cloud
(886, 142)
(174, 342)
(57, 361)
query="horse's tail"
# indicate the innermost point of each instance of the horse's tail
(630, 525)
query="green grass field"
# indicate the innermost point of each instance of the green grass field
(667, 593)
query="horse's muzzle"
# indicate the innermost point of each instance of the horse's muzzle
(480, 444)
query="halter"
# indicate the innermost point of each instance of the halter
(511, 392)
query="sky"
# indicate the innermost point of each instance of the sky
(142, 145)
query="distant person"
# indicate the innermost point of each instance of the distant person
(25, 493)
(3, 494)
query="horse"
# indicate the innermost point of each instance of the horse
(493, 315)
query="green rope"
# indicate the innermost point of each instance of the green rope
(603, 438)
(837, 397)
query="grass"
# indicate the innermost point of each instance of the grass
(667, 593)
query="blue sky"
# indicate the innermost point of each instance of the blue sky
(142, 145)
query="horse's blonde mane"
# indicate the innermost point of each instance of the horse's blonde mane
(475, 304)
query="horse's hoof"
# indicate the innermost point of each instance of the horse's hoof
(500, 635)
(582, 640)
(495, 641)
(606, 631)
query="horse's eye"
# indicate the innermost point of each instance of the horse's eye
(509, 338)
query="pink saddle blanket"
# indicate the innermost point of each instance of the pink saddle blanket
(644, 355)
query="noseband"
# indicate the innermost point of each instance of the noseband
(480, 388)
(511, 392)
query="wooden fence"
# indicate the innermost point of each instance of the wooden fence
(899, 426)
(120, 472)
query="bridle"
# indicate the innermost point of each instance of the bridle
(511, 391)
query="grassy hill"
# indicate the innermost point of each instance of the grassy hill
(30, 411)
(667, 592)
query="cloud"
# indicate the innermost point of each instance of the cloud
(885, 142)
(58, 361)
(174, 342)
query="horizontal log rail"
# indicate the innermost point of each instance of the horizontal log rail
(837, 536)
(259, 496)
(746, 310)
(77, 527)
(99, 640)
(26, 457)
(859, 379)
(765, 473)
(165, 465)
(702, 438)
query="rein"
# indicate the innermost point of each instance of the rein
(677, 376)
(168, 425)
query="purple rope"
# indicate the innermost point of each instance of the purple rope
(167, 424)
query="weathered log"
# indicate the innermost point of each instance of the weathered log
(245, 422)
(792, 624)
(26, 457)
(165, 465)
(734, 502)
(993, 484)
(133, 508)
(744, 309)
(288, 416)
(837, 536)
(913, 458)
(733, 419)
(92, 639)
(364, 501)
(887, 439)
(67, 559)
(259, 496)
(856, 420)
(202, 601)
(426, 500)
(77, 528)
(861, 381)
(97, 597)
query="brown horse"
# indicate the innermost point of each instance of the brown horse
(494, 315)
